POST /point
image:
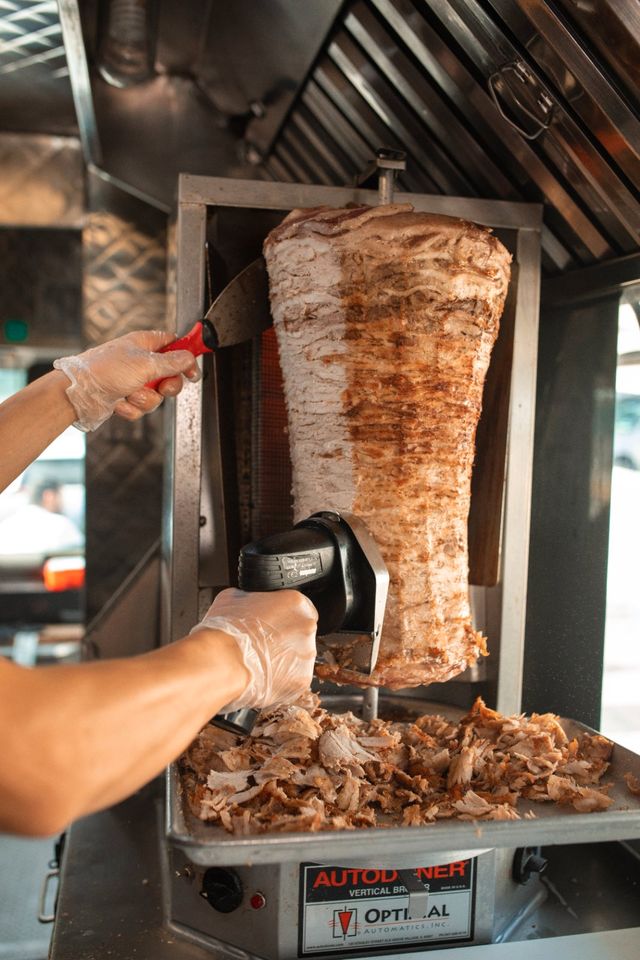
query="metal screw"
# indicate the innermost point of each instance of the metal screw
(253, 155)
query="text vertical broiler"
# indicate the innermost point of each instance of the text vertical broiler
(385, 321)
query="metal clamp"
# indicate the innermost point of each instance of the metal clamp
(542, 100)
(42, 902)
(386, 164)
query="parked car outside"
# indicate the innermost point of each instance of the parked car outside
(626, 442)
(42, 539)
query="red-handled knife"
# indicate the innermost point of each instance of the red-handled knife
(239, 312)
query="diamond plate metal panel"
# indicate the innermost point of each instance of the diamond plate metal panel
(42, 183)
(124, 290)
(35, 93)
(124, 284)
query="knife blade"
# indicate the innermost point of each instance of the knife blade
(241, 311)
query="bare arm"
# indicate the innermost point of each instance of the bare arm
(114, 377)
(30, 421)
(78, 738)
(74, 739)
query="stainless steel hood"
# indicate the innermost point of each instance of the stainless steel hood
(516, 99)
(533, 100)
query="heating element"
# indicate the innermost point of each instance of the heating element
(273, 896)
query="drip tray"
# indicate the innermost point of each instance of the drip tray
(210, 845)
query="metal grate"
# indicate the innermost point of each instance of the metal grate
(31, 37)
(35, 92)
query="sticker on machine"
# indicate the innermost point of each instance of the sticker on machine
(348, 910)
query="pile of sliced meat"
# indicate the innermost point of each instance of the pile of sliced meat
(307, 769)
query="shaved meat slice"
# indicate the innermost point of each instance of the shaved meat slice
(384, 742)
(633, 783)
(245, 795)
(317, 777)
(461, 767)
(412, 816)
(275, 768)
(238, 758)
(352, 774)
(349, 794)
(292, 722)
(228, 781)
(584, 799)
(473, 807)
(295, 748)
(385, 320)
(339, 748)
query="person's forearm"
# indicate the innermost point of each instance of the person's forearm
(30, 420)
(88, 735)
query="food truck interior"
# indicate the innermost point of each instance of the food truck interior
(147, 148)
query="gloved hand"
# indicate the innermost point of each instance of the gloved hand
(111, 378)
(276, 636)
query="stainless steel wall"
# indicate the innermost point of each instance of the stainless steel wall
(124, 289)
(566, 602)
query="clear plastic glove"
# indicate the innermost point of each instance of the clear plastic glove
(111, 378)
(276, 636)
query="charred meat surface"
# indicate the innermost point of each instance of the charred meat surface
(307, 769)
(385, 320)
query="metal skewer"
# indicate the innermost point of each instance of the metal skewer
(370, 704)
(387, 163)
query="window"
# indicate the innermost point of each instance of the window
(621, 687)
(42, 537)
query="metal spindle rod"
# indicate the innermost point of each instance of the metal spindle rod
(386, 185)
(370, 704)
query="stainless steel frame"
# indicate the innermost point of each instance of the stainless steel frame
(194, 518)
(69, 12)
(183, 533)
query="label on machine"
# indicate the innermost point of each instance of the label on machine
(348, 910)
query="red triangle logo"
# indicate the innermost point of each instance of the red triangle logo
(345, 920)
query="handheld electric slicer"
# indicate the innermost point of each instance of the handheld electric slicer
(334, 560)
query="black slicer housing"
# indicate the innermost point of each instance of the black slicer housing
(333, 559)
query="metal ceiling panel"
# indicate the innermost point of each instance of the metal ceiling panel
(612, 28)
(223, 76)
(244, 53)
(591, 91)
(567, 144)
(408, 80)
(395, 116)
(492, 98)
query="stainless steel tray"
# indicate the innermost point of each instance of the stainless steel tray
(209, 844)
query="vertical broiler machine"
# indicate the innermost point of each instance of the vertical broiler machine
(375, 891)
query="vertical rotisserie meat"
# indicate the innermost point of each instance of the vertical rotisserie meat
(385, 321)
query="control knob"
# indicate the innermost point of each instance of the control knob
(222, 889)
